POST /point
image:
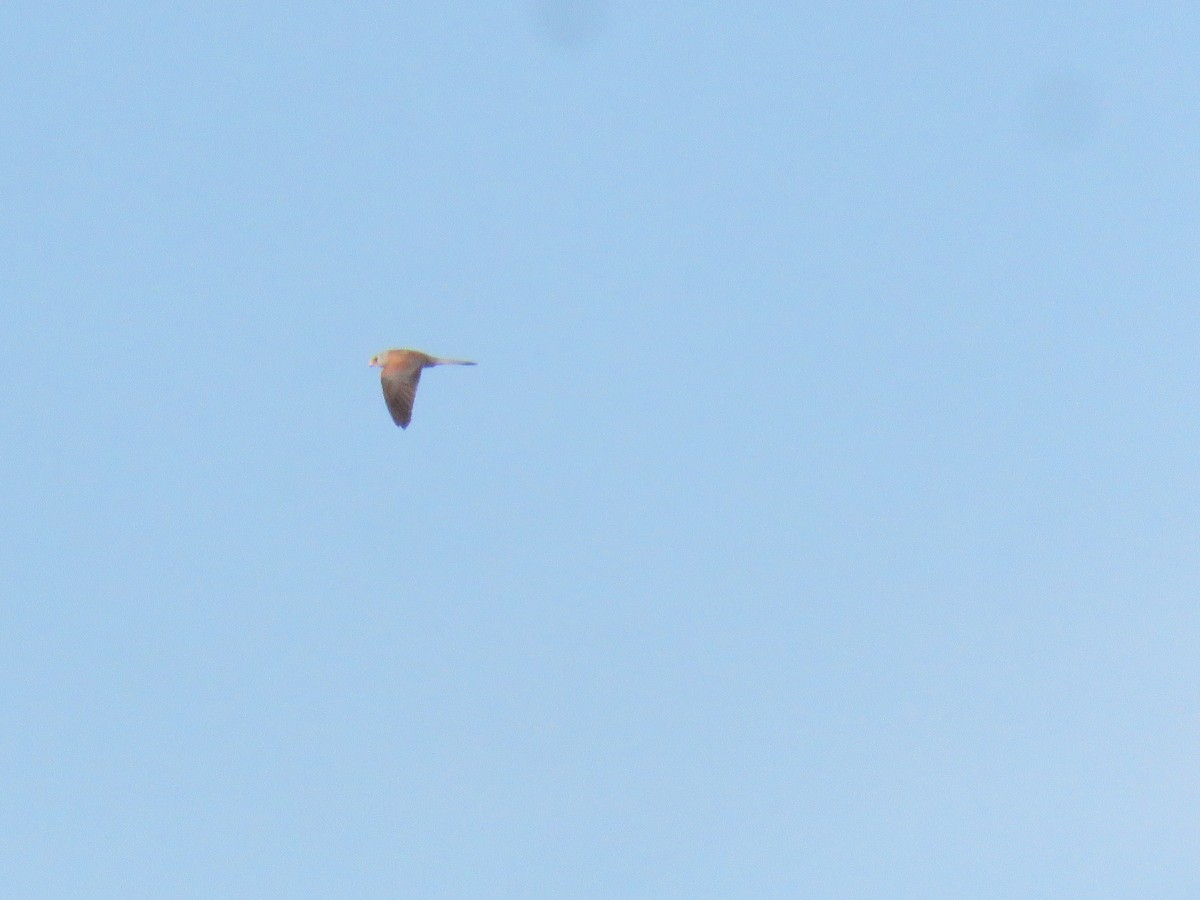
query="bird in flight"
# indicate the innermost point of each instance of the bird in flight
(400, 376)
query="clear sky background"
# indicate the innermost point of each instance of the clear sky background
(821, 520)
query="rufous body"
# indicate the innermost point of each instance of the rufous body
(400, 375)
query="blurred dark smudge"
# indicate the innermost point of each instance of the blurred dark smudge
(570, 23)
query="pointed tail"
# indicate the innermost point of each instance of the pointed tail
(455, 362)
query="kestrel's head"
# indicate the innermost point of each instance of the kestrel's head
(379, 359)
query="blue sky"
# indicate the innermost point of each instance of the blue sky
(820, 521)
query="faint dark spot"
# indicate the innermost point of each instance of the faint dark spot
(570, 23)
(1065, 111)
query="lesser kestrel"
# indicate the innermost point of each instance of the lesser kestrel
(400, 376)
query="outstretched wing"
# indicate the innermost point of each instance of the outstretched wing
(400, 390)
